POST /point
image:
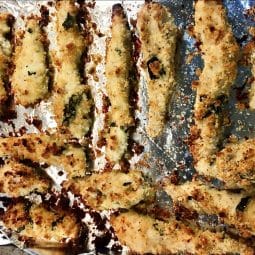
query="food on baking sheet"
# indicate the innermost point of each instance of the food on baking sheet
(220, 54)
(252, 89)
(158, 35)
(143, 234)
(17, 179)
(30, 80)
(118, 71)
(111, 190)
(6, 25)
(235, 209)
(42, 226)
(49, 149)
(72, 101)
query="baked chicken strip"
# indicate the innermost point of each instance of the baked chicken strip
(50, 149)
(118, 71)
(220, 54)
(30, 80)
(18, 179)
(111, 190)
(158, 35)
(143, 234)
(41, 226)
(72, 101)
(234, 209)
(6, 26)
(252, 89)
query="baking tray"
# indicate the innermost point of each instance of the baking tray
(168, 152)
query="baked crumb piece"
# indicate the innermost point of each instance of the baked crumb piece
(18, 180)
(235, 209)
(30, 80)
(40, 226)
(72, 102)
(50, 149)
(158, 35)
(220, 53)
(143, 234)
(111, 190)
(119, 65)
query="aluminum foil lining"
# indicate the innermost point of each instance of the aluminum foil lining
(169, 152)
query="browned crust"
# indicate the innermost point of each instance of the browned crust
(220, 53)
(143, 235)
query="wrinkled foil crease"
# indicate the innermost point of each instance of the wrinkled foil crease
(168, 152)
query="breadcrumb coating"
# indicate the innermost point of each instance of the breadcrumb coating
(158, 35)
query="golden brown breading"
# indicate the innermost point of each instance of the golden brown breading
(41, 226)
(252, 89)
(220, 54)
(118, 70)
(235, 164)
(158, 35)
(118, 67)
(203, 199)
(71, 101)
(111, 190)
(30, 79)
(6, 21)
(143, 234)
(17, 179)
(50, 149)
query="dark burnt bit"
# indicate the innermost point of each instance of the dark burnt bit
(106, 104)
(116, 248)
(124, 165)
(10, 23)
(183, 213)
(81, 66)
(45, 16)
(117, 10)
(137, 47)
(174, 178)
(101, 243)
(50, 3)
(36, 122)
(250, 13)
(108, 166)
(101, 142)
(137, 148)
(99, 220)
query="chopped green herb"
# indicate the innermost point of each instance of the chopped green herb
(127, 183)
(69, 21)
(70, 108)
(20, 229)
(55, 223)
(118, 51)
(31, 73)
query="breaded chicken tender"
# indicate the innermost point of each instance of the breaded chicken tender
(50, 149)
(72, 103)
(143, 235)
(118, 71)
(30, 80)
(220, 53)
(158, 35)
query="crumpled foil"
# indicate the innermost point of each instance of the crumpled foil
(169, 152)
